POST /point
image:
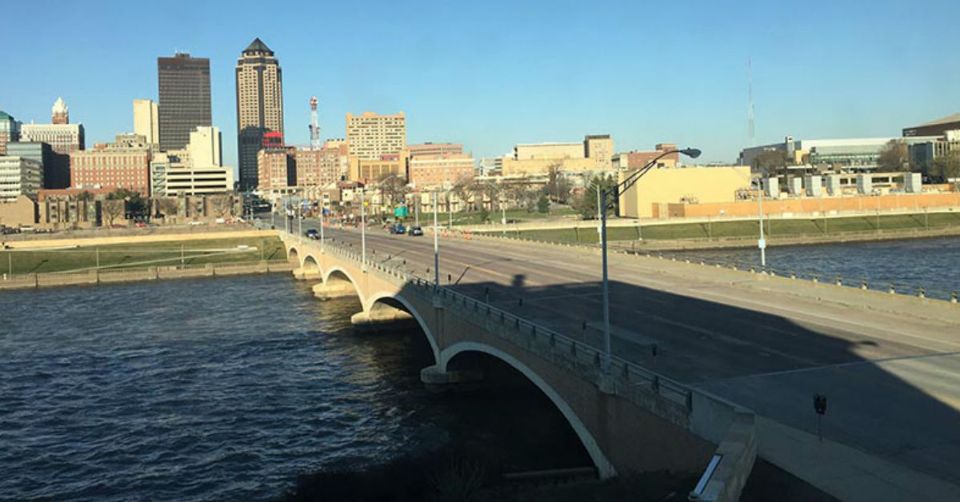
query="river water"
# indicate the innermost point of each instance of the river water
(214, 389)
(908, 265)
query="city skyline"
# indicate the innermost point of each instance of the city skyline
(492, 89)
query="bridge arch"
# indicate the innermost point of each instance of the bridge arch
(293, 256)
(311, 266)
(604, 467)
(338, 278)
(398, 301)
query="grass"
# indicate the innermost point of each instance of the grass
(733, 229)
(513, 215)
(118, 256)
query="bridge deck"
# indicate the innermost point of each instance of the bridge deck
(890, 371)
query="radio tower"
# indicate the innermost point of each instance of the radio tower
(314, 125)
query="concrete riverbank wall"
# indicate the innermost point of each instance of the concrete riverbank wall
(95, 277)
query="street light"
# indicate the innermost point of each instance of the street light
(436, 243)
(623, 185)
(363, 233)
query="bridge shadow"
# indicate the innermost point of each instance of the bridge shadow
(885, 394)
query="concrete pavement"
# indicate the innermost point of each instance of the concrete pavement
(888, 364)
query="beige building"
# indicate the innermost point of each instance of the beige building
(371, 171)
(434, 149)
(371, 136)
(146, 120)
(259, 106)
(122, 164)
(637, 159)
(431, 171)
(692, 185)
(320, 167)
(275, 168)
(19, 176)
(19, 212)
(593, 154)
(62, 136)
(196, 170)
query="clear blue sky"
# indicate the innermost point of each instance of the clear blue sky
(491, 74)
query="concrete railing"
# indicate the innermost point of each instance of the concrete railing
(710, 417)
(108, 276)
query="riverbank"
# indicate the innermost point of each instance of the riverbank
(708, 234)
(96, 277)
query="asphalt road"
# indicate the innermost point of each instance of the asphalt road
(892, 378)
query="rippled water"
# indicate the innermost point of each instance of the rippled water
(907, 264)
(193, 390)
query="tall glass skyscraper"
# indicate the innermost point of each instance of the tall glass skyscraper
(184, 98)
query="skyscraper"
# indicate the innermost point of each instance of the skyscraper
(146, 120)
(184, 98)
(259, 106)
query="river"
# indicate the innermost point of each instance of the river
(911, 264)
(219, 389)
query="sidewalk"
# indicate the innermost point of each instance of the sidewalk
(844, 472)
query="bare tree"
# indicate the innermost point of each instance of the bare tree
(113, 209)
(947, 167)
(393, 188)
(894, 157)
(222, 205)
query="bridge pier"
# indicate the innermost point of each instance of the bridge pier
(331, 291)
(435, 378)
(304, 274)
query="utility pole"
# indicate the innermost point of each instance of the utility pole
(436, 243)
(599, 223)
(762, 243)
(322, 210)
(363, 232)
(606, 288)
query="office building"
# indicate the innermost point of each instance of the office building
(371, 136)
(9, 131)
(937, 127)
(146, 120)
(373, 170)
(56, 166)
(599, 147)
(276, 168)
(924, 153)
(594, 153)
(320, 167)
(195, 170)
(184, 91)
(437, 171)
(654, 193)
(637, 159)
(62, 136)
(840, 155)
(122, 164)
(434, 149)
(259, 106)
(19, 176)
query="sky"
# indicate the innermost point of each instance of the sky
(491, 74)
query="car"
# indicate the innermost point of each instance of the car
(398, 229)
(415, 231)
(312, 234)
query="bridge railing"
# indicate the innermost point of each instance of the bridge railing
(628, 379)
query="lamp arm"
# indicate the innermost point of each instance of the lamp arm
(639, 173)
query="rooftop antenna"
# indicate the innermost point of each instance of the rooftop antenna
(314, 125)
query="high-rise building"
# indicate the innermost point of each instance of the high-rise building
(56, 166)
(276, 168)
(59, 114)
(320, 167)
(371, 136)
(204, 147)
(122, 164)
(259, 106)
(184, 89)
(19, 176)
(62, 136)
(146, 120)
(433, 171)
(9, 131)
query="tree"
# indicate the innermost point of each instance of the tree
(894, 157)
(587, 203)
(558, 186)
(772, 162)
(543, 205)
(133, 204)
(112, 209)
(947, 167)
(167, 207)
(393, 189)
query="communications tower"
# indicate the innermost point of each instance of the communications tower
(314, 125)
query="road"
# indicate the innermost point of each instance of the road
(891, 375)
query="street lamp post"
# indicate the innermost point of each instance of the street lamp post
(363, 233)
(322, 210)
(436, 243)
(762, 243)
(619, 188)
